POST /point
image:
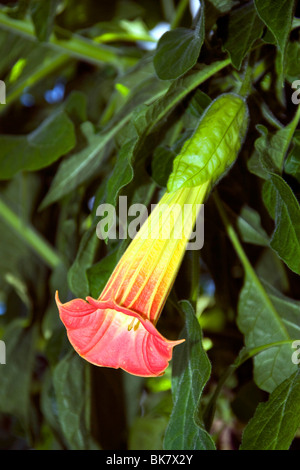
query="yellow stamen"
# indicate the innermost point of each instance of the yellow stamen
(132, 325)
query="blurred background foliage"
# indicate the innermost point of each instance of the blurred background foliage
(95, 108)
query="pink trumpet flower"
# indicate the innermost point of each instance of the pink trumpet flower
(118, 329)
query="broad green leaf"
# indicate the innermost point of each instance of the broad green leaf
(16, 374)
(277, 15)
(243, 29)
(214, 145)
(266, 317)
(190, 372)
(72, 391)
(46, 144)
(43, 14)
(178, 50)
(275, 423)
(285, 209)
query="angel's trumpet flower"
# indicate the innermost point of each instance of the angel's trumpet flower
(118, 329)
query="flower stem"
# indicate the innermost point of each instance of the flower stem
(30, 236)
(179, 13)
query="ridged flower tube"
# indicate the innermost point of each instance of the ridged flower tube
(118, 329)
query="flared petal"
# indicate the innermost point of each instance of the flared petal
(108, 335)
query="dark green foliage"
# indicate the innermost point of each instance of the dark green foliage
(91, 114)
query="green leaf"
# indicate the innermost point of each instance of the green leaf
(243, 29)
(43, 14)
(42, 147)
(75, 45)
(123, 172)
(191, 370)
(179, 89)
(178, 50)
(161, 165)
(292, 162)
(72, 391)
(292, 69)
(14, 251)
(78, 167)
(214, 145)
(146, 426)
(277, 16)
(285, 240)
(249, 225)
(17, 372)
(278, 197)
(223, 6)
(275, 422)
(266, 317)
(146, 119)
(99, 273)
(82, 165)
(271, 150)
(77, 274)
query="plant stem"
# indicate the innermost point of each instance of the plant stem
(30, 236)
(195, 277)
(69, 43)
(245, 88)
(245, 353)
(242, 255)
(179, 13)
(168, 9)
